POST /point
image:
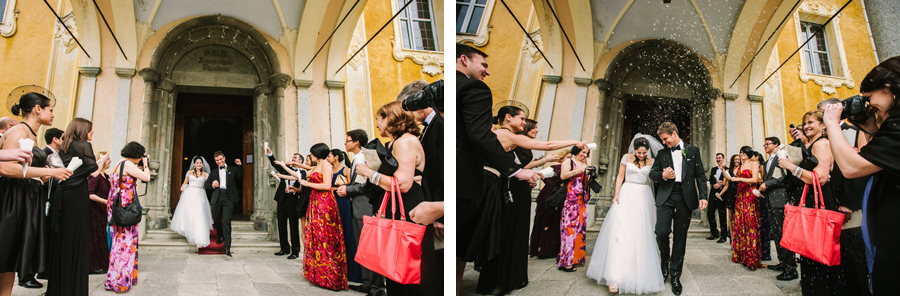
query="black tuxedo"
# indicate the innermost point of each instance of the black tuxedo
(716, 205)
(286, 213)
(677, 201)
(432, 140)
(476, 145)
(222, 207)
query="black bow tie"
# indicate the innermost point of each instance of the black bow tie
(222, 167)
(675, 148)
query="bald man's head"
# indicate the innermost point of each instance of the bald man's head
(6, 123)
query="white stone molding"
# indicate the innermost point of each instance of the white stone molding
(431, 61)
(304, 121)
(85, 107)
(10, 15)
(336, 109)
(121, 113)
(577, 122)
(816, 12)
(62, 36)
(528, 48)
(481, 38)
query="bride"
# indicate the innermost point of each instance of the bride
(192, 218)
(626, 256)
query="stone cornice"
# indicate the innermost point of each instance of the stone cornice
(279, 80)
(729, 96)
(302, 83)
(149, 75)
(554, 79)
(125, 72)
(334, 84)
(89, 71)
(583, 81)
(755, 98)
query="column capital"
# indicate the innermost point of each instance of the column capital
(302, 83)
(149, 75)
(89, 71)
(554, 79)
(616, 93)
(262, 88)
(755, 98)
(279, 80)
(729, 96)
(602, 84)
(125, 72)
(166, 84)
(583, 81)
(334, 84)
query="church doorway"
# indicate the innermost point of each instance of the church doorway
(644, 114)
(206, 123)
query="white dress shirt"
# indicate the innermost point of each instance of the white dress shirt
(769, 162)
(223, 175)
(676, 161)
(718, 173)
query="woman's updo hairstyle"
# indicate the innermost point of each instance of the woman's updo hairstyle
(27, 103)
(511, 110)
(319, 151)
(885, 75)
(638, 143)
(747, 150)
(133, 150)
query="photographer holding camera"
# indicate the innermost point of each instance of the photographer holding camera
(876, 157)
(426, 102)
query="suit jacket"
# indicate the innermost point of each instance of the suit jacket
(713, 180)
(433, 143)
(476, 144)
(359, 194)
(235, 176)
(279, 193)
(775, 187)
(693, 181)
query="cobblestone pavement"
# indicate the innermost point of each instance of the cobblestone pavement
(169, 273)
(708, 270)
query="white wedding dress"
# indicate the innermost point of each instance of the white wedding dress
(192, 218)
(626, 254)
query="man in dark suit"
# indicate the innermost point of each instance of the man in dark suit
(286, 211)
(774, 188)
(716, 205)
(476, 145)
(678, 170)
(223, 182)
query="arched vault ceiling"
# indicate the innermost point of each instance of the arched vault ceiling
(259, 13)
(677, 21)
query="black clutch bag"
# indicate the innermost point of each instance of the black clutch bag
(388, 162)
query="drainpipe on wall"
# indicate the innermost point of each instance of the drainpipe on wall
(869, 29)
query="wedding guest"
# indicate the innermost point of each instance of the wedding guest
(545, 232)
(773, 188)
(70, 215)
(716, 205)
(341, 177)
(817, 278)
(729, 191)
(762, 209)
(122, 270)
(400, 128)
(876, 161)
(98, 188)
(25, 246)
(286, 209)
(53, 139)
(6, 123)
(572, 224)
(745, 238)
(324, 257)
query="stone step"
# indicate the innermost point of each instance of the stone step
(238, 246)
(694, 231)
(235, 234)
(242, 226)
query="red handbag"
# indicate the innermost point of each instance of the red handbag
(392, 248)
(814, 233)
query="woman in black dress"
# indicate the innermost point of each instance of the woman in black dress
(545, 232)
(729, 192)
(98, 188)
(817, 278)
(23, 227)
(70, 213)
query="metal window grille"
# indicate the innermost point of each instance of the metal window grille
(818, 59)
(468, 15)
(417, 26)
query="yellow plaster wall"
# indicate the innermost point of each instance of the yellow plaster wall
(24, 56)
(800, 97)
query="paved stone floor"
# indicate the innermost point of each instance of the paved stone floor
(170, 273)
(708, 270)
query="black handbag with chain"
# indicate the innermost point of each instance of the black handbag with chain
(128, 215)
(557, 197)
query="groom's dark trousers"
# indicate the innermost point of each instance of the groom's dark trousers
(221, 211)
(673, 210)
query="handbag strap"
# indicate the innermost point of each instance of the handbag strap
(817, 191)
(395, 196)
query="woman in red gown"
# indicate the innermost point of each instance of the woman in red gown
(745, 241)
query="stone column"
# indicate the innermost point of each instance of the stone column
(120, 121)
(731, 141)
(577, 123)
(336, 108)
(304, 122)
(545, 109)
(88, 88)
(160, 127)
(602, 161)
(278, 83)
(756, 122)
(609, 150)
(262, 206)
(148, 126)
(711, 97)
(882, 16)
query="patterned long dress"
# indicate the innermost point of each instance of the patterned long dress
(324, 257)
(745, 242)
(123, 254)
(572, 225)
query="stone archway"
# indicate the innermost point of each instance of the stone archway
(657, 73)
(213, 55)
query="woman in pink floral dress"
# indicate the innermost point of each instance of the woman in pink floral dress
(572, 225)
(122, 272)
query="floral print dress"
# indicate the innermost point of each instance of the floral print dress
(324, 257)
(123, 263)
(572, 225)
(745, 242)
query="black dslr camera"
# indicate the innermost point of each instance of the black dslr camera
(432, 96)
(856, 108)
(591, 175)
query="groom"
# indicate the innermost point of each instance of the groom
(223, 182)
(679, 172)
